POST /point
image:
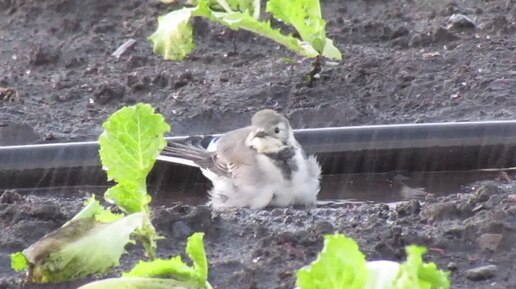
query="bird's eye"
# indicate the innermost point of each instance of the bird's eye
(276, 130)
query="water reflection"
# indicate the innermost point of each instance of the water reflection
(386, 188)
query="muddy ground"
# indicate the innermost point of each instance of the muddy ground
(401, 65)
(404, 62)
(263, 249)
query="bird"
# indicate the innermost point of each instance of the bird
(257, 166)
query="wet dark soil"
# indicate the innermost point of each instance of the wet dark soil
(405, 61)
(264, 249)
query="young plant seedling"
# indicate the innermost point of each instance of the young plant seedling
(341, 265)
(173, 38)
(93, 241)
(160, 273)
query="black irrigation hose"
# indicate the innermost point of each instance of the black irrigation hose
(358, 149)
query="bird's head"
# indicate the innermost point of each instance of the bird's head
(271, 132)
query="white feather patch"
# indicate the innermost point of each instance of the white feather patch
(176, 161)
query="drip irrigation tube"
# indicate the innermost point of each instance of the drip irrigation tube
(357, 149)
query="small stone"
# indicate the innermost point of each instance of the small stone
(511, 197)
(481, 273)
(460, 21)
(489, 241)
(452, 266)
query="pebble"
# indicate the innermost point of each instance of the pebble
(489, 241)
(481, 273)
(452, 266)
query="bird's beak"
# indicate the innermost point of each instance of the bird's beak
(260, 134)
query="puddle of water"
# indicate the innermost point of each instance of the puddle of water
(391, 187)
(385, 188)
(376, 188)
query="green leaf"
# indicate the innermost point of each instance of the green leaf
(173, 38)
(238, 20)
(175, 267)
(414, 273)
(128, 197)
(174, 30)
(159, 273)
(252, 7)
(340, 265)
(139, 283)
(305, 16)
(93, 209)
(195, 250)
(131, 142)
(287, 60)
(133, 138)
(81, 248)
(172, 268)
(19, 262)
(330, 51)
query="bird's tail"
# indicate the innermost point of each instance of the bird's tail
(196, 152)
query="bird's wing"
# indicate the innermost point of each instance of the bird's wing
(230, 153)
(231, 148)
(189, 154)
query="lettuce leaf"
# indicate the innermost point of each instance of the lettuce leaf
(174, 31)
(133, 138)
(414, 273)
(305, 16)
(94, 239)
(173, 39)
(381, 273)
(161, 273)
(139, 283)
(341, 265)
(131, 142)
(92, 242)
(93, 209)
(252, 7)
